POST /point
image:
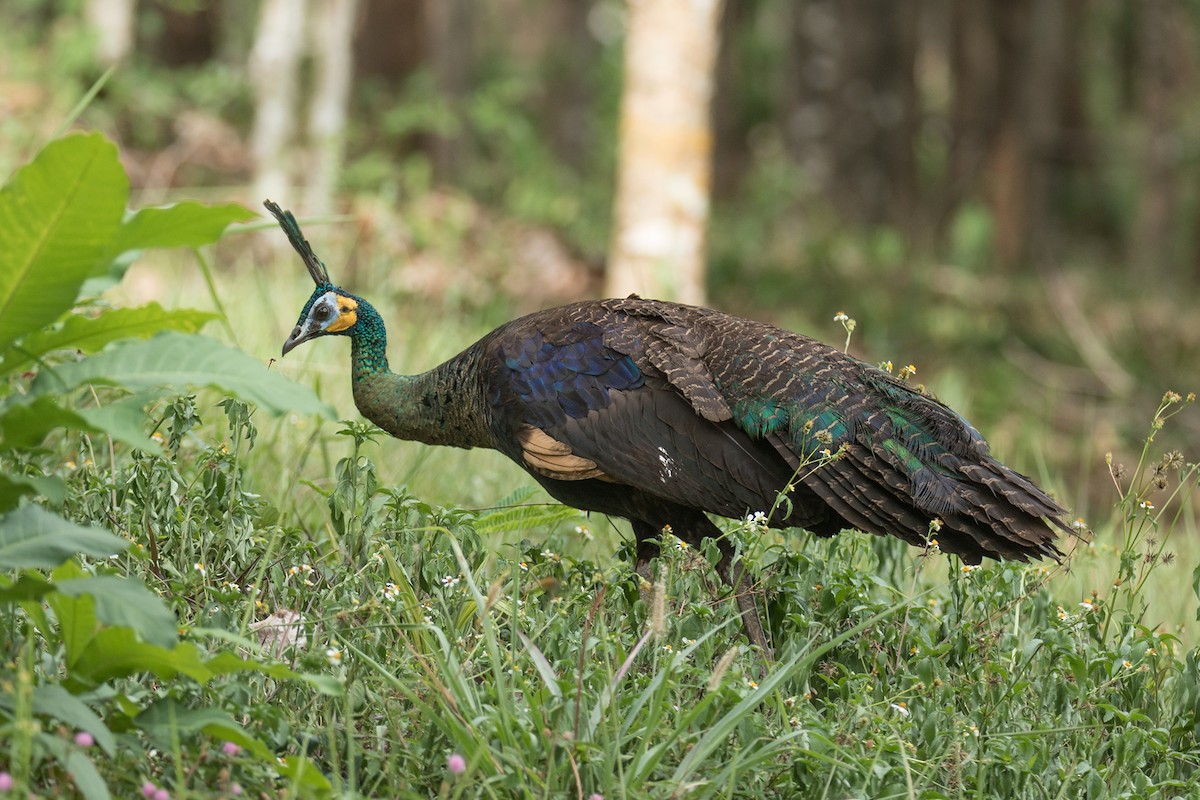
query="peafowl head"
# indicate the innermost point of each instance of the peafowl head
(329, 310)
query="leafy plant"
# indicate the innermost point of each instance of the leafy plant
(64, 236)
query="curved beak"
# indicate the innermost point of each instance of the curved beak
(299, 336)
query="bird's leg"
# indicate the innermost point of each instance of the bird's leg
(648, 547)
(695, 531)
(739, 582)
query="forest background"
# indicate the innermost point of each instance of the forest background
(1004, 194)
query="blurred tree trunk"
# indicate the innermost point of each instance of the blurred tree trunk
(665, 150)
(1165, 67)
(450, 35)
(983, 116)
(392, 39)
(852, 110)
(186, 33)
(113, 22)
(732, 91)
(333, 37)
(275, 75)
(567, 55)
(1012, 63)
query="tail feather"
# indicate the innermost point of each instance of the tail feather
(983, 508)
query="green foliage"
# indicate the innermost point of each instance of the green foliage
(177, 361)
(61, 214)
(33, 537)
(553, 676)
(76, 633)
(64, 223)
(88, 334)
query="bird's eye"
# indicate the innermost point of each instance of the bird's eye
(322, 312)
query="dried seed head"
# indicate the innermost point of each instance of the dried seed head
(658, 607)
(721, 668)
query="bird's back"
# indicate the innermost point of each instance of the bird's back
(706, 410)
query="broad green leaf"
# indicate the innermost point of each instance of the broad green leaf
(186, 224)
(126, 603)
(118, 653)
(181, 361)
(123, 420)
(52, 700)
(86, 776)
(14, 487)
(29, 587)
(24, 425)
(227, 663)
(302, 771)
(78, 765)
(77, 623)
(89, 334)
(59, 216)
(107, 276)
(167, 721)
(31, 536)
(166, 718)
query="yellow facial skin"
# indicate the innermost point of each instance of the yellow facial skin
(347, 315)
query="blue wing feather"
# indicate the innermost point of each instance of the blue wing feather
(564, 376)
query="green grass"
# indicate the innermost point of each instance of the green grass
(900, 673)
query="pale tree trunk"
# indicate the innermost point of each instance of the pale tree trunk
(333, 38)
(275, 76)
(665, 160)
(113, 22)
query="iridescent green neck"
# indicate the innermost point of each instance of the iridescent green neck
(368, 352)
(442, 406)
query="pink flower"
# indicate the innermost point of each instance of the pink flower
(6, 782)
(231, 749)
(456, 764)
(596, 796)
(235, 789)
(148, 789)
(162, 794)
(84, 739)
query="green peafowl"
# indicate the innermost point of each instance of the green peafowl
(659, 413)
